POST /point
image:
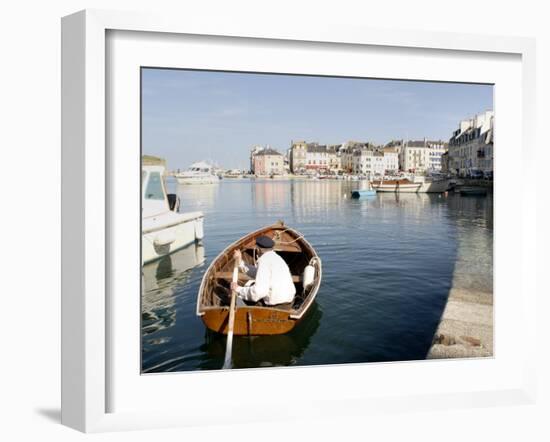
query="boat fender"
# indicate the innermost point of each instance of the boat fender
(164, 238)
(308, 276)
(199, 230)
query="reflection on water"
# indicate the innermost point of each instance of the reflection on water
(161, 279)
(266, 351)
(204, 194)
(388, 265)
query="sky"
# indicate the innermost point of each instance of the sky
(189, 116)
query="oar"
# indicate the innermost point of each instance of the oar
(229, 344)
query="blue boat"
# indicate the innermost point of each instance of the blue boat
(363, 193)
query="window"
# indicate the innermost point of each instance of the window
(154, 187)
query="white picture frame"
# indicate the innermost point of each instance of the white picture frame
(86, 216)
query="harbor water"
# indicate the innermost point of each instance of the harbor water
(389, 264)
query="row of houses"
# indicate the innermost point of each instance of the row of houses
(469, 148)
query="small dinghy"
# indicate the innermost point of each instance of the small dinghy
(213, 300)
(363, 193)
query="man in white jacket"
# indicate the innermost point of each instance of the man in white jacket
(273, 280)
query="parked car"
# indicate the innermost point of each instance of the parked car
(488, 175)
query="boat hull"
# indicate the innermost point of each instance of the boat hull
(250, 320)
(214, 293)
(412, 187)
(362, 193)
(166, 233)
(435, 186)
(197, 180)
(405, 188)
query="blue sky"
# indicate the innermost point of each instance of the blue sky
(198, 115)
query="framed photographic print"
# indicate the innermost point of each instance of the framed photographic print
(264, 212)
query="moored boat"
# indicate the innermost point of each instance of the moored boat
(416, 185)
(363, 193)
(198, 173)
(214, 294)
(402, 185)
(164, 229)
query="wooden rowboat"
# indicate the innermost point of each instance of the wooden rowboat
(214, 293)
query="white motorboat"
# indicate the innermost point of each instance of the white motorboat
(416, 185)
(198, 173)
(164, 230)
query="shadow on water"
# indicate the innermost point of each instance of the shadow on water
(263, 351)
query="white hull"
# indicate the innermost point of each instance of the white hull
(168, 232)
(435, 186)
(207, 179)
(422, 187)
(403, 188)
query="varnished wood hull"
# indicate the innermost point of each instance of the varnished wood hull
(250, 321)
(212, 305)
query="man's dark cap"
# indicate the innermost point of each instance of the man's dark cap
(265, 242)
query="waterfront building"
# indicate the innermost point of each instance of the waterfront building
(437, 149)
(422, 155)
(414, 156)
(471, 147)
(255, 150)
(305, 157)
(378, 163)
(297, 156)
(335, 163)
(396, 145)
(363, 161)
(317, 157)
(268, 161)
(391, 159)
(445, 162)
(286, 162)
(348, 157)
(367, 159)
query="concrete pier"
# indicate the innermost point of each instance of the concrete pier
(466, 326)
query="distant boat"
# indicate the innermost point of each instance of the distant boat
(198, 173)
(214, 293)
(363, 193)
(473, 191)
(164, 229)
(234, 173)
(417, 185)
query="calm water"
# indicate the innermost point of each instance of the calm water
(389, 262)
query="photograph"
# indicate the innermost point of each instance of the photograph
(303, 220)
